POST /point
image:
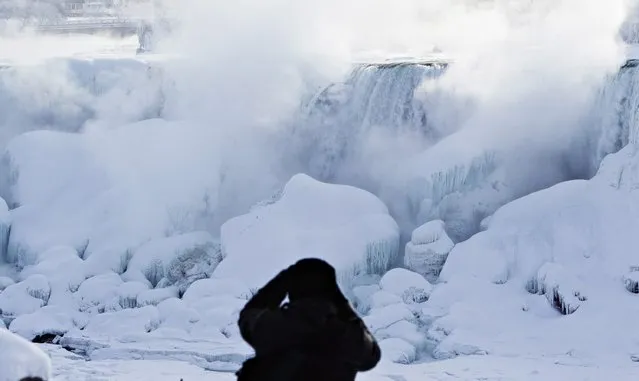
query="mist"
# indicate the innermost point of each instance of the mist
(523, 78)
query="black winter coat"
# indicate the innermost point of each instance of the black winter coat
(306, 340)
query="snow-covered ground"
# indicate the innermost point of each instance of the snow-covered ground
(68, 367)
(484, 231)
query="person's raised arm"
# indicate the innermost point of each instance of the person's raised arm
(265, 325)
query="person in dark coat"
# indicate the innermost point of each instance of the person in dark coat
(315, 337)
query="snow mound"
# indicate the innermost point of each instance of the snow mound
(398, 350)
(21, 359)
(410, 286)
(384, 317)
(124, 322)
(24, 297)
(404, 330)
(156, 296)
(181, 259)
(348, 227)
(204, 288)
(428, 249)
(49, 320)
(63, 283)
(174, 313)
(95, 292)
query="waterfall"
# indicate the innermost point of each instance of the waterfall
(374, 98)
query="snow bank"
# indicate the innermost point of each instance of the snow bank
(156, 296)
(410, 286)
(570, 243)
(428, 249)
(348, 227)
(24, 297)
(49, 320)
(124, 322)
(21, 359)
(96, 292)
(181, 259)
(216, 287)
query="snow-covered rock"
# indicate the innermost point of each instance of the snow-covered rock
(398, 350)
(348, 227)
(156, 296)
(25, 297)
(428, 249)
(124, 322)
(410, 286)
(21, 359)
(204, 288)
(181, 259)
(52, 320)
(95, 292)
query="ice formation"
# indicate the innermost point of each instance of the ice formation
(428, 249)
(346, 226)
(178, 260)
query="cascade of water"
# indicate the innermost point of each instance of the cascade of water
(374, 97)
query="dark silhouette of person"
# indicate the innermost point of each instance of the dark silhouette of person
(316, 336)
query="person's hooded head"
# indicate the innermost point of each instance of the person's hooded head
(314, 278)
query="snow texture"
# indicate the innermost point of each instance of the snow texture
(348, 227)
(428, 249)
(21, 359)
